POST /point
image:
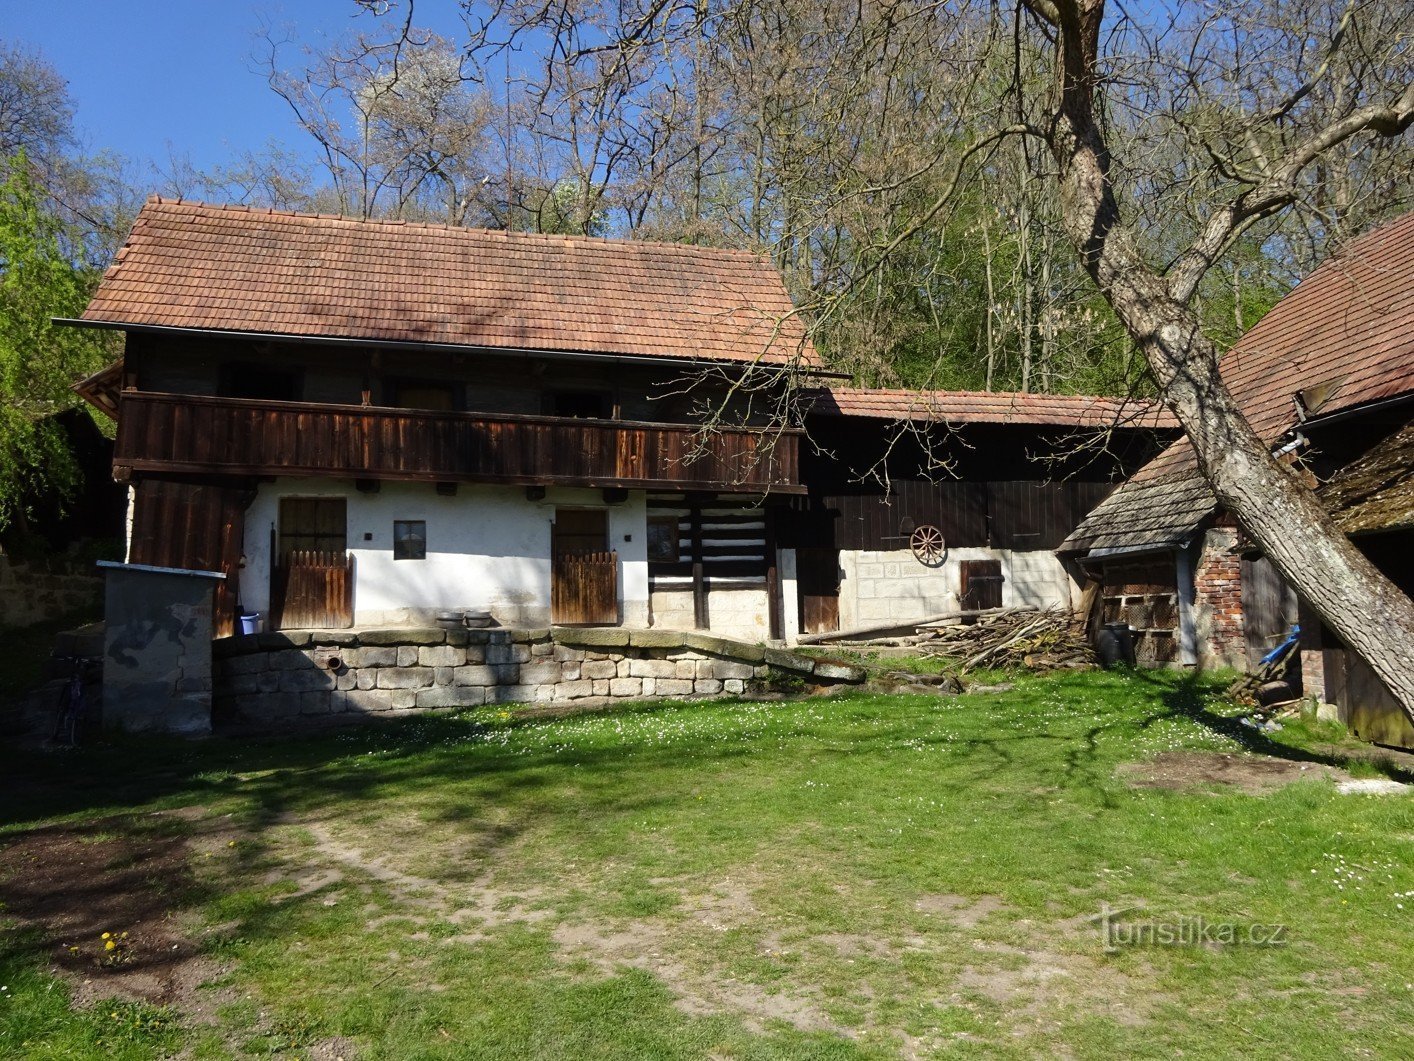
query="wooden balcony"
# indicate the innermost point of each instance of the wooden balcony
(195, 434)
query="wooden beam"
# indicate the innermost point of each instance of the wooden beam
(700, 616)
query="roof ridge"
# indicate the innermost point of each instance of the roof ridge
(445, 226)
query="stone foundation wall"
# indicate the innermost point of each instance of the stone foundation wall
(277, 677)
(29, 594)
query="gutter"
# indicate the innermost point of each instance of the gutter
(457, 348)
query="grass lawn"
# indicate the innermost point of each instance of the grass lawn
(858, 876)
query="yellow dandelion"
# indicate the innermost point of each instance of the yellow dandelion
(106, 935)
(110, 945)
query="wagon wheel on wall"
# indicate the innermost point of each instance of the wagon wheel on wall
(927, 544)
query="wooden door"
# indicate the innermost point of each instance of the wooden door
(312, 574)
(817, 573)
(981, 584)
(584, 571)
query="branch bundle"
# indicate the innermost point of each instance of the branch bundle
(1037, 640)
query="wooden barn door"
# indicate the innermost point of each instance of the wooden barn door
(981, 584)
(817, 573)
(313, 576)
(584, 571)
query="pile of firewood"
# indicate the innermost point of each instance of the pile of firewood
(1012, 637)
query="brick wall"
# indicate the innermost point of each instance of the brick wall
(1217, 601)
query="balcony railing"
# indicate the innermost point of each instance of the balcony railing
(196, 434)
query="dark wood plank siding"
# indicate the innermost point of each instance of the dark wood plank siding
(197, 526)
(179, 434)
(726, 536)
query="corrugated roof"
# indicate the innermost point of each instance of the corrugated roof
(1347, 330)
(992, 407)
(194, 265)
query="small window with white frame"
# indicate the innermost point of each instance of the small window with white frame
(409, 539)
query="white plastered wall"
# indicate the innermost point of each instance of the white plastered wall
(488, 549)
(877, 586)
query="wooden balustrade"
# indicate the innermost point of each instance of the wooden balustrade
(197, 434)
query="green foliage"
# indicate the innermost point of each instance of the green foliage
(38, 361)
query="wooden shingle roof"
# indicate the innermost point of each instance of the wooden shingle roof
(992, 407)
(238, 269)
(1342, 338)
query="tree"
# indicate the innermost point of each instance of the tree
(1261, 149)
(38, 362)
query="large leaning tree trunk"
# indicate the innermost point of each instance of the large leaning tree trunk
(1279, 513)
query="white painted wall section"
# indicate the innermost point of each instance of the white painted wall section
(488, 549)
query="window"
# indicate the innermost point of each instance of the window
(583, 405)
(409, 539)
(663, 539)
(259, 382)
(436, 395)
(317, 524)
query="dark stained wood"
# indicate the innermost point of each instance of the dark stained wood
(818, 586)
(196, 526)
(981, 584)
(700, 615)
(1269, 608)
(314, 591)
(584, 588)
(170, 433)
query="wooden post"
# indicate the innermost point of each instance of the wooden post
(699, 578)
(774, 605)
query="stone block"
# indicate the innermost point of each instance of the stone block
(404, 677)
(621, 668)
(685, 668)
(721, 669)
(707, 687)
(655, 638)
(839, 672)
(403, 636)
(547, 671)
(567, 653)
(789, 661)
(290, 660)
(542, 650)
(573, 690)
(440, 656)
(458, 637)
(407, 656)
(475, 653)
(570, 672)
(362, 700)
(374, 656)
(346, 679)
(673, 687)
(443, 675)
(238, 684)
(304, 681)
(402, 699)
(365, 679)
(649, 686)
(451, 696)
(599, 668)
(735, 686)
(534, 634)
(601, 686)
(519, 694)
(342, 638)
(626, 687)
(652, 668)
(610, 636)
(278, 639)
(479, 674)
(252, 664)
(316, 703)
(508, 653)
(268, 681)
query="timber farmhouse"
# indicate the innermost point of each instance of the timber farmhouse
(373, 424)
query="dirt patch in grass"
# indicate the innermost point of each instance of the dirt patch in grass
(959, 909)
(1179, 770)
(74, 882)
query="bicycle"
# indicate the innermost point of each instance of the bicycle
(68, 724)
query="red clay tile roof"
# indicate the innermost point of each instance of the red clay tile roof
(193, 265)
(993, 407)
(1350, 324)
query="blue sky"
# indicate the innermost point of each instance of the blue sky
(148, 73)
